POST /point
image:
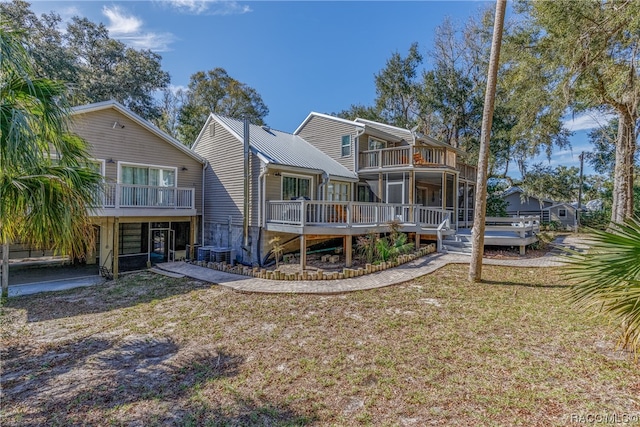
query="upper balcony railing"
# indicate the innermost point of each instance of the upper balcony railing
(467, 172)
(147, 196)
(417, 156)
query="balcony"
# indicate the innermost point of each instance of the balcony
(351, 218)
(416, 156)
(146, 200)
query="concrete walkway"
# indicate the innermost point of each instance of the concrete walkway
(54, 285)
(393, 276)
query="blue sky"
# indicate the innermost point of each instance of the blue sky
(301, 56)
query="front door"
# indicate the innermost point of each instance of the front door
(162, 245)
(395, 195)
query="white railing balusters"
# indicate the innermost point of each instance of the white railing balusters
(147, 196)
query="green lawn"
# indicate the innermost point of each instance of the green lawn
(150, 350)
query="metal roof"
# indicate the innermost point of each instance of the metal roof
(282, 148)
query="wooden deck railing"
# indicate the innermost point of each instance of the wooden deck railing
(349, 214)
(418, 156)
(147, 196)
(523, 226)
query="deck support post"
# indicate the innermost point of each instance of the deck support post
(522, 250)
(193, 228)
(303, 252)
(116, 247)
(417, 241)
(348, 251)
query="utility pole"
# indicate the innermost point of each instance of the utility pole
(580, 190)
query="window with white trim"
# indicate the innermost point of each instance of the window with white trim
(294, 187)
(376, 144)
(562, 213)
(346, 145)
(148, 175)
(338, 191)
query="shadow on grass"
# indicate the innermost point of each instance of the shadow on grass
(524, 285)
(87, 382)
(130, 290)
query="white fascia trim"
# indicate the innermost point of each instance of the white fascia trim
(326, 116)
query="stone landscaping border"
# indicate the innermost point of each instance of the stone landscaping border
(319, 274)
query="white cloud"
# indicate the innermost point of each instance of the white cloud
(209, 7)
(129, 29)
(120, 23)
(588, 121)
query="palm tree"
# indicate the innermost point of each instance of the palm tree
(475, 266)
(607, 278)
(46, 186)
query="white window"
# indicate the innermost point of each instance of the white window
(338, 191)
(562, 213)
(376, 144)
(148, 175)
(96, 165)
(346, 145)
(294, 187)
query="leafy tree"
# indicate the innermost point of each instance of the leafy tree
(603, 156)
(215, 91)
(360, 111)
(397, 90)
(592, 49)
(170, 106)
(607, 278)
(559, 184)
(100, 67)
(46, 189)
(496, 205)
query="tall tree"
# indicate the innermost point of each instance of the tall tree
(593, 48)
(215, 91)
(360, 111)
(46, 189)
(397, 89)
(99, 67)
(475, 266)
(544, 182)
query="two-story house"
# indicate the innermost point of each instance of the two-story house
(311, 186)
(395, 165)
(152, 198)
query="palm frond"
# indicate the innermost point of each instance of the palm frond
(607, 278)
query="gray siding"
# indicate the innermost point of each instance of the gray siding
(516, 204)
(568, 221)
(326, 135)
(224, 181)
(135, 144)
(273, 184)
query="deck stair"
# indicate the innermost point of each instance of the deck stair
(457, 244)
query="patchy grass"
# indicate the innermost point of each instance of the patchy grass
(151, 350)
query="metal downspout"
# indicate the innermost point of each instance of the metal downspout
(245, 220)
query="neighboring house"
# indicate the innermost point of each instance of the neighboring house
(519, 204)
(566, 214)
(563, 213)
(321, 182)
(153, 188)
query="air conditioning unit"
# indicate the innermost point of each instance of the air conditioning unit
(223, 255)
